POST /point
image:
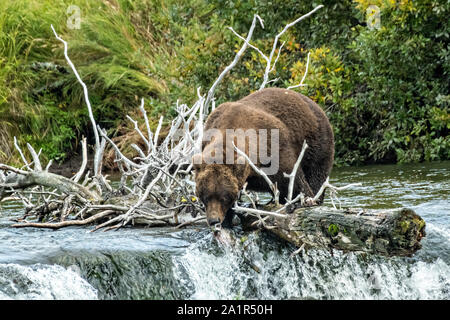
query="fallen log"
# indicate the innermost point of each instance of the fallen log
(20, 179)
(384, 232)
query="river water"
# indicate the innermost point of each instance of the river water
(73, 263)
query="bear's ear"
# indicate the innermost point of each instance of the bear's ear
(197, 160)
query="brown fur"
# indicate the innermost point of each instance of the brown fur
(297, 118)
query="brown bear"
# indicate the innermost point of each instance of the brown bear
(283, 114)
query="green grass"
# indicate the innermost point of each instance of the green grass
(46, 107)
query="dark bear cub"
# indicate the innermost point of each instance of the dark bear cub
(269, 126)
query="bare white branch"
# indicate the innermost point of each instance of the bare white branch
(272, 186)
(260, 212)
(304, 75)
(275, 44)
(86, 99)
(136, 127)
(269, 66)
(158, 129)
(21, 154)
(116, 148)
(293, 174)
(327, 184)
(236, 59)
(80, 172)
(34, 155)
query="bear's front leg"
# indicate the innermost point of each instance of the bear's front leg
(300, 185)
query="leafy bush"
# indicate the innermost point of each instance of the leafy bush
(385, 90)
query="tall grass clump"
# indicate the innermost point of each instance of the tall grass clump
(40, 100)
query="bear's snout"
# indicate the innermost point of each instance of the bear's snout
(213, 221)
(214, 213)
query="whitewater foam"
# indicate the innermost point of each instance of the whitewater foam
(255, 271)
(43, 282)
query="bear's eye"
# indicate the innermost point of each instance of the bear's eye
(227, 199)
(203, 199)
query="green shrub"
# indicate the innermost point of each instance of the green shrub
(385, 90)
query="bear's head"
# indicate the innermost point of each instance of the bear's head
(218, 186)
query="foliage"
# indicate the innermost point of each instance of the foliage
(385, 90)
(41, 101)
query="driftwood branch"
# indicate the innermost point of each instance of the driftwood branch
(19, 180)
(80, 172)
(268, 58)
(272, 186)
(275, 45)
(85, 89)
(59, 225)
(237, 57)
(293, 174)
(304, 75)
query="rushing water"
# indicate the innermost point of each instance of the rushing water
(73, 263)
